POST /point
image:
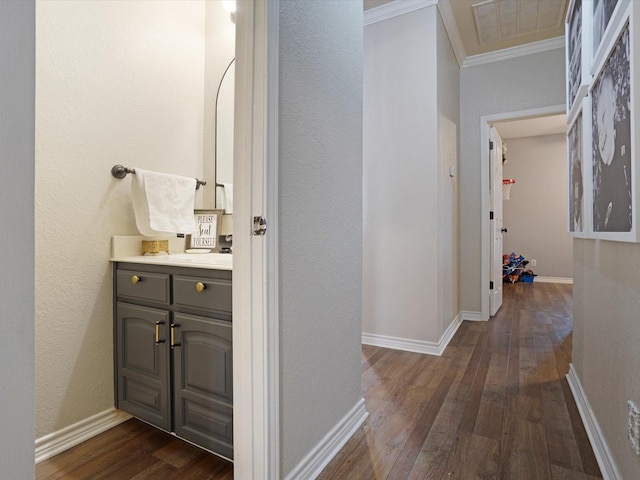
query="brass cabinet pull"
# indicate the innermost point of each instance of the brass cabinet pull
(158, 340)
(173, 335)
(135, 279)
(200, 287)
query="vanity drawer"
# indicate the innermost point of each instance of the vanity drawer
(140, 285)
(205, 293)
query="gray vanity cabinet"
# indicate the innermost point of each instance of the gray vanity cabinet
(143, 381)
(203, 396)
(173, 341)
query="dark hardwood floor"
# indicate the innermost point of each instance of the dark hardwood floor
(496, 405)
(135, 450)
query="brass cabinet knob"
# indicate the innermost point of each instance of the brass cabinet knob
(200, 287)
(135, 279)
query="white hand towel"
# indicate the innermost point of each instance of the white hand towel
(140, 205)
(163, 203)
(228, 197)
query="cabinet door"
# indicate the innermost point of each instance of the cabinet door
(203, 382)
(143, 364)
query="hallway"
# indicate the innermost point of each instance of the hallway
(495, 405)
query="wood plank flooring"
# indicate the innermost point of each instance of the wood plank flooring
(496, 405)
(135, 450)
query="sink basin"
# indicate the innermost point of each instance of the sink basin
(222, 259)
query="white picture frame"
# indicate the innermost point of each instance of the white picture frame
(605, 19)
(578, 55)
(614, 156)
(579, 172)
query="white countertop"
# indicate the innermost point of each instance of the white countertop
(126, 248)
(216, 261)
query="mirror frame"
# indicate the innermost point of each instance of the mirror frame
(215, 153)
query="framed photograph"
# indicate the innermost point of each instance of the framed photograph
(208, 230)
(607, 18)
(614, 213)
(574, 51)
(602, 11)
(579, 172)
(575, 176)
(578, 55)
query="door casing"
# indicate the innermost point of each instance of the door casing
(485, 225)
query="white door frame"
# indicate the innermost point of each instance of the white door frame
(255, 262)
(485, 239)
(495, 233)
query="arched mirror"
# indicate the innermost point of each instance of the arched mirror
(224, 139)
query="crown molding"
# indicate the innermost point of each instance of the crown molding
(399, 7)
(450, 25)
(514, 52)
(395, 8)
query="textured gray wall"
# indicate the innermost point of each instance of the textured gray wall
(536, 213)
(400, 178)
(523, 83)
(448, 203)
(320, 219)
(606, 302)
(17, 127)
(411, 118)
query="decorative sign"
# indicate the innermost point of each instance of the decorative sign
(207, 229)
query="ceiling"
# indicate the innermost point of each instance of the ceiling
(486, 26)
(532, 127)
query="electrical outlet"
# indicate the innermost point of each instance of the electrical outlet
(533, 262)
(633, 427)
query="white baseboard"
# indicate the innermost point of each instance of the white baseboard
(471, 316)
(57, 442)
(567, 280)
(312, 465)
(411, 345)
(596, 438)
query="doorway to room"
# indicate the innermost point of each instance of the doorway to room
(535, 141)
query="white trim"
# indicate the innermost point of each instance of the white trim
(485, 244)
(255, 341)
(272, 255)
(566, 280)
(514, 52)
(68, 437)
(450, 25)
(471, 316)
(411, 345)
(312, 465)
(393, 9)
(598, 442)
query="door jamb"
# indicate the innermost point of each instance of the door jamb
(485, 229)
(255, 274)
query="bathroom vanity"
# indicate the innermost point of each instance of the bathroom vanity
(173, 345)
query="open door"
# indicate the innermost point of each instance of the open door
(495, 203)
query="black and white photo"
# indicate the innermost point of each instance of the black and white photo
(612, 175)
(574, 50)
(602, 12)
(576, 185)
